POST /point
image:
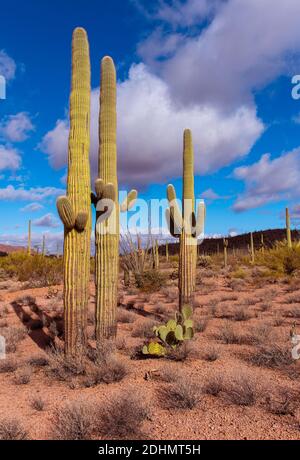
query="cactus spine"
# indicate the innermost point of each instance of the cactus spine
(185, 224)
(108, 235)
(29, 238)
(74, 209)
(288, 227)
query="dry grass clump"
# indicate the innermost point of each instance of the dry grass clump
(293, 313)
(124, 316)
(38, 361)
(23, 376)
(200, 324)
(12, 430)
(229, 335)
(214, 385)
(240, 389)
(272, 356)
(73, 421)
(8, 366)
(62, 367)
(13, 335)
(210, 354)
(265, 306)
(123, 415)
(183, 351)
(184, 393)
(229, 297)
(109, 371)
(292, 298)
(150, 281)
(241, 314)
(37, 403)
(282, 401)
(143, 328)
(237, 284)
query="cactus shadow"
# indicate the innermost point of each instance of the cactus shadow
(36, 329)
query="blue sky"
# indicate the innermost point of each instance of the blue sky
(220, 67)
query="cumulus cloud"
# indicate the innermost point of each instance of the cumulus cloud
(269, 180)
(150, 130)
(7, 66)
(210, 194)
(222, 66)
(48, 220)
(16, 128)
(32, 207)
(32, 194)
(10, 158)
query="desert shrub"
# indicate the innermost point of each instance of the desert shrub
(214, 385)
(182, 394)
(278, 321)
(272, 356)
(265, 306)
(169, 373)
(8, 365)
(26, 300)
(280, 259)
(210, 354)
(238, 274)
(200, 324)
(13, 335)
(150, 281)
(38, 361)
(229, 297)
(37, 403)
(240, 389)
(204, 261)
(23, 376)
(110, 371)
(259, 333)
(182, 352)
(292, 298)
(122, 416)
(293, 313)
(62, 367)
(74, 421)
(124, 316)
(241, 314)
(40, 270)
(237, 284)
(143, 328)
(282, 401)
(12, 430)
(228, 334)
(160, 309)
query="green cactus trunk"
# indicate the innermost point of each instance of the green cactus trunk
(225, 246)
(252, 253)
(288, 228)
(74, 209)
(107, 245)
(188, 246)
(29, 238)
(44, 246)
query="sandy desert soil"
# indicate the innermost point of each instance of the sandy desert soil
(259, 313)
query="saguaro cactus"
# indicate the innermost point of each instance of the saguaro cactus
(185, 224)
(225, 246)
(74, 209)
(288, 228)
(107, 235)
(29, 238)
(252, 253)
(44, 245)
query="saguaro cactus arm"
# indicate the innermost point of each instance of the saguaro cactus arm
(129, 201)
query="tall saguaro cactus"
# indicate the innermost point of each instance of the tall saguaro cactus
(107, 235)
(252, 253)
(74, 209)
(288, 227)
(29, 238)
(186, 224)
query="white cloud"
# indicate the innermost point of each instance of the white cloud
(269, 180)
(222, 66)
(150, 130)
(188, 13)
(54, 241)
(16, 128)
(10, 158)
(48, 220)
(32, 207)
(7, 66)
(32, 194)
(209, 194)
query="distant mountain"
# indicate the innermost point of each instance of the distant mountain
(213, 245)
(8, 249)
